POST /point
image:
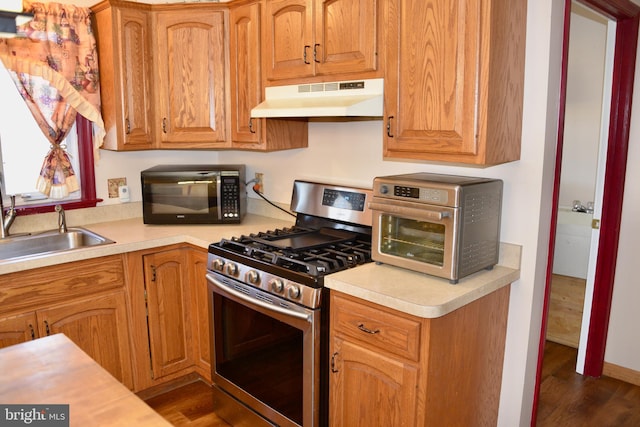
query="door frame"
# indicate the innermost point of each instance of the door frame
(627, 17)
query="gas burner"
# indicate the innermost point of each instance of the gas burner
(320, 256)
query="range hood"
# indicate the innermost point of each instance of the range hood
(352, 98)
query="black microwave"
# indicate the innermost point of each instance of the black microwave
(193, 194)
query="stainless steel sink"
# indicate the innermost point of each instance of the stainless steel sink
(49, 242)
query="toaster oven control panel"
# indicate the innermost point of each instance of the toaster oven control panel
(419, 194)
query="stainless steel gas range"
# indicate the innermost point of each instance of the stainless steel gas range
(269, 309)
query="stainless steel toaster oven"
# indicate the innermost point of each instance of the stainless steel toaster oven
(443, 225)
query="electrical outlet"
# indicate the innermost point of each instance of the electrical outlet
(259, 184)
(113, 184)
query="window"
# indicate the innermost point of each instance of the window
(23, 148)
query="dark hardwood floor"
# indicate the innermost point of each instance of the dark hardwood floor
(190, 405)
(570, 399)
(566, 398)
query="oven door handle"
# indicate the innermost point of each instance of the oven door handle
(416, 213)
(257, 302)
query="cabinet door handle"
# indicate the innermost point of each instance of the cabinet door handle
(304, 55)
(333, 362)
(251, 129)
(389, 127)
(128, 126)
(164, 125)
(46, 328)
(367, 330)
(315, 52)
(32, 332)
(153, 273)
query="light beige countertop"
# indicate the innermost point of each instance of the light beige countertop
(133, 235)
(413, 293)
(422, 295)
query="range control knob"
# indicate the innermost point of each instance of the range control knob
(293, 291)
(232, 269)
(253, 277)
(276, 285)
(384, 189)
(217, 264)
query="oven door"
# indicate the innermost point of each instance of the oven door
(418, 237)
(265, 351)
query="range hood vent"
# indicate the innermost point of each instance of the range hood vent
(353, 98)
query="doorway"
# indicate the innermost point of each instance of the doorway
(586, 124)
(626, 16)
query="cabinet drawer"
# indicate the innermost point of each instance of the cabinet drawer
(376, 326)
(48, 285)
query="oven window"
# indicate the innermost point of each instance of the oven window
(180, 198)
(261, 355)
(421, 241)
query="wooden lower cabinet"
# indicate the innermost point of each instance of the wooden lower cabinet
(169, 314)
(98, 325)
(389, 383)
(201, 307)
(393, 369)
(18, 328)
(85, 300)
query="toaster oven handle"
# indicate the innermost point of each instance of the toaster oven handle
(413, 212)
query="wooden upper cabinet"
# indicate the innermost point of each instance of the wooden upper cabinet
(190, 78)
(246, 88)
(306, 38)
(125, 76)
(136, 77)
(246, 75)
(454, 80)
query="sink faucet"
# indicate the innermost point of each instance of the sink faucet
(7, 221)
(62, 221)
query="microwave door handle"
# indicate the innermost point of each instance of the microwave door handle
(412, 212)
(219, 196)
(256, 302)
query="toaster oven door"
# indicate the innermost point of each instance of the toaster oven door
(421, 239)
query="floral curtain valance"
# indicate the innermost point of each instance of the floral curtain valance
(54, 63)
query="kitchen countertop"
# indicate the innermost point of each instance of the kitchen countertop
(410, 292)
(133, 235)
(53, 370)
(422, 295)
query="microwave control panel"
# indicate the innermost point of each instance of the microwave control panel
(418, 194)
(230, 192)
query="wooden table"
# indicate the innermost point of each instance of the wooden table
(53, 370)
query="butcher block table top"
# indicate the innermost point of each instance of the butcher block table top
(53, 370)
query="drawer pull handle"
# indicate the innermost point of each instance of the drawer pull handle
(367, 330)
(333, 362)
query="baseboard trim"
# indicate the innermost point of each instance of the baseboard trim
(621, 373)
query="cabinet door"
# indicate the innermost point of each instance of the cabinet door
(246, 78)
(168, 303)
(18, 329)
(289, 39)
(345, 36)
(454, 80)
(97, 325)
(135, 55)
(198, 282)
(191, 78)
(370, 388)
(430, 87)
